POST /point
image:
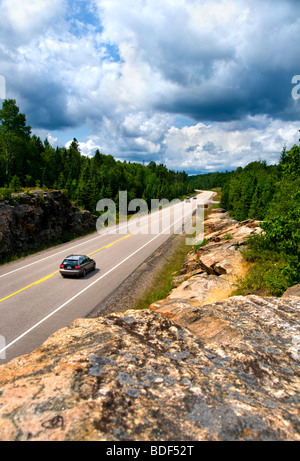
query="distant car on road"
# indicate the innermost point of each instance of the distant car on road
(78, 265)
(195, 197)
(187, 199)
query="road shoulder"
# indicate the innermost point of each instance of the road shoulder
(138, 282)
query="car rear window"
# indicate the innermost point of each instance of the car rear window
(70, 262)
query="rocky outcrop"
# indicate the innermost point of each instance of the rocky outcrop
(225, 237)
(292, 291)
(219, 226)
(39, 218)
(210, 274)
(203, 288)
(224, 371)
(197, 366)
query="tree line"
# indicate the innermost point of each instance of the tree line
(208, 181)
(28, 162)
(246, 192)
(270, 194)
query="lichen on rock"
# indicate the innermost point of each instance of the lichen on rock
(142, 376)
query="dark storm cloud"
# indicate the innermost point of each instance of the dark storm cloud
(46, 105)
(128, 69)
(252, 92)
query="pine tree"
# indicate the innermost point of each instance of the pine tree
(14, 133)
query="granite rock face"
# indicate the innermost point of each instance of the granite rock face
(211, 273)
(225, 236)
(224, 371)
(292, 291)
(38, 219)
(202, 288)
(219, 225)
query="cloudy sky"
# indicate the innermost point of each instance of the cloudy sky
(197, 85)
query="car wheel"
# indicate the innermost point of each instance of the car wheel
(84, 273)
(94, 267)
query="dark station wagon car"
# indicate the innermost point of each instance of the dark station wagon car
(78, 265)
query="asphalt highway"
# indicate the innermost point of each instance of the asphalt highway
(36, 301)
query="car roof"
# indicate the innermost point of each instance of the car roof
(74, 256)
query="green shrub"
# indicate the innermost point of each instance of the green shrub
(275, 257)
(5, 193)
(199, 245)
(270, 274)
(15, 184)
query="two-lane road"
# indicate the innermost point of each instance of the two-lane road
(36, 301)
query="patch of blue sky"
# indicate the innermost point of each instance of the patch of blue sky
(82, 15)
(59, 138)
(113, 52)
(180, 121)
(83, 19)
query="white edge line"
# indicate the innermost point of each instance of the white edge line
(85, 289)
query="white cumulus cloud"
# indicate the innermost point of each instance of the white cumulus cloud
(194, 84)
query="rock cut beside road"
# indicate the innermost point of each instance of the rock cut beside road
(31, 220)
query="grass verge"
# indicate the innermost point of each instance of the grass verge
(267, 275)
(217, 198)
(162, 283)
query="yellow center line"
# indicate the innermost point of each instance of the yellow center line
(110, 245)
(56, 272)
(45, 278)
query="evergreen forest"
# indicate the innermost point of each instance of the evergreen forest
(270, 194)
(28, 162)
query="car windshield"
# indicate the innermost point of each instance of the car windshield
(70, 262)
